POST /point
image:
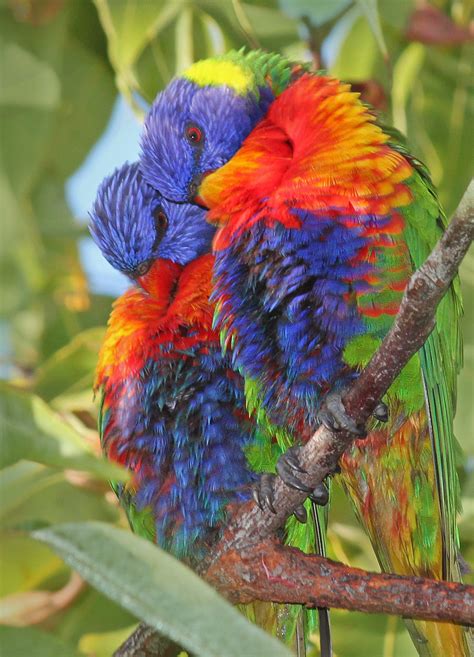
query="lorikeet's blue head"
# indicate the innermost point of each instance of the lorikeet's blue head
(200, 120)
(133, 225)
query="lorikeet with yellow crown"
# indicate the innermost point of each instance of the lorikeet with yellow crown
(322, 216)
(172, 408)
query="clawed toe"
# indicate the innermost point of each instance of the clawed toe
(300, 514)
(333, 415)
(288, 467)
(263, 492)
(381, 412)
(320, 495)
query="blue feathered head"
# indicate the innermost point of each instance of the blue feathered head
(193, 128)
(133, 224)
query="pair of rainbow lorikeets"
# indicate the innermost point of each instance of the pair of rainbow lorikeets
(270, 229)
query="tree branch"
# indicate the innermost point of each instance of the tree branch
(276, 573)
(247, 563)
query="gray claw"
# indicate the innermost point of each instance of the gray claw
(262, 492)
(291, 456)
(320, 495)
(286, 469)
(381, 412)
(300, 514)
(256, 497)
(333, 415)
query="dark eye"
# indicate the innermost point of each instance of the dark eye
(142, 268)
(194, 134)
(161, 220)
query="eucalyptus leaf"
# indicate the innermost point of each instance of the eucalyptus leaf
(70, 369)
(371, 12)
(158, 589)
(317, 11)
(26, 80)
(32, 431)
(22, 641)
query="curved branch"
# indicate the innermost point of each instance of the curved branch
(413, 324)
(276, 573)
(248, 564)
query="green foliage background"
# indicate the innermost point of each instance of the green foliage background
(62, 64)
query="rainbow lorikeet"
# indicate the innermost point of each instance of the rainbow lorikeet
(172, 408)
(323, 215)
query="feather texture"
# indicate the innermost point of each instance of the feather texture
(322, 218)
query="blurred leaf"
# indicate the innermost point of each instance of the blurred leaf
(317, 11)
(26, 80)
(159, 590)
(32, 494)
(354, 62)
(19, 642)
(88, 94)
(439, 119)
(371, 12)
(430, 25)
(370, 634)
(149, 43)
(93, 613)
(19, 482)
(405, 73)
(25, 563)
(33, 607)
(71, 369)
(104, 644)
(34, 432)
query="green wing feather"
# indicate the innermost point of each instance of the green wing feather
(272, 441)
(441, 356)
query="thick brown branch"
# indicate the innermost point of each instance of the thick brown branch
(270, 571)
(248, 564)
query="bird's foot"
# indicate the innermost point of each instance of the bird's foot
(264, 494)
(334, 417)
(289, 468)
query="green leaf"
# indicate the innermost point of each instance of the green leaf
(70, 369)
(26, 80)
(158, 589)
(25, 563)
(358, 56)
(93, 613)
(32, 431)
(34, 495)
(371, 12)
(405, 73)
(22, 641)
(103, 644)
(360, 634)
(317, 11)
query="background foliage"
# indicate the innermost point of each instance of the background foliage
(63, 63)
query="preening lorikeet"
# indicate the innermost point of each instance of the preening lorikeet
(173, 409)
(323, 215)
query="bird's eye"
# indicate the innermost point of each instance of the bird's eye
(194, 134)
(142, 268)
(161, 220)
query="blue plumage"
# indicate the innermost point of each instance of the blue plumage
(289, 312)
(127, 225)
(170, 161)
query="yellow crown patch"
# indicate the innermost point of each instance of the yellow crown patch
(216, 72)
